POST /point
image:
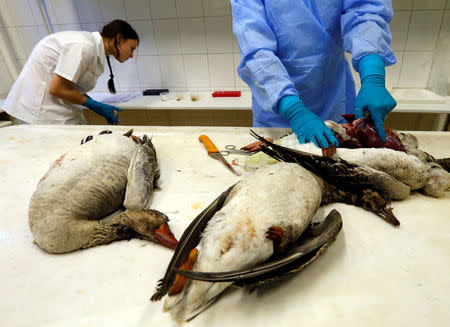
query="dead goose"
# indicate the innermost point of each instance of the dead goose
(236, 238)
(92, 181)
(415, 168)
(240, 229)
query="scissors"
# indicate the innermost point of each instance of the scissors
(231, 149)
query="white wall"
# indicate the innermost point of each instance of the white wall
(189, 44)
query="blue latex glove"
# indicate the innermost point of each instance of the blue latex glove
(104, 110)
(306, 125)
(373, 96)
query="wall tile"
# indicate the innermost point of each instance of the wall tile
(112, 9)
(43, 32)
(445, 28)
(415, 69)
(172, 71)
(2, 32)
(399, 29)
(167, 36)
(21, 63)
(102, 82)
(402, 4)
(65, 12)
(193, 39)
(15, 37)
(67, 27)
(240, 84)
(197, 71)
(6, 81)
(163, 9)
(216, 7)
(235, 44)
(221, 70)
(219, 35)
(424, 30)
(189, 8)
(149, 72)
(127, 74)
(137, 9)
(428, 4)
(355, 74)
(36, 12)
(89, 11)
(393, 72)
(448, 5)
(92, 27)
(147, 45)
(29, 36)
(16, 13)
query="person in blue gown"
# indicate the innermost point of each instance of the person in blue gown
(293, 60)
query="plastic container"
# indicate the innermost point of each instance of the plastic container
(194, 97)
(223, 94)
(164, 96)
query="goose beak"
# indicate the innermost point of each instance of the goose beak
(164, 235)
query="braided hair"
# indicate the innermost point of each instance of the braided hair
(111, 30)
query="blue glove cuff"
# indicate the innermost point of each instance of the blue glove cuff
(89, 102)
(285, 105)
(372, 64)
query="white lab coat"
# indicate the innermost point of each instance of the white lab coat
(74, 55)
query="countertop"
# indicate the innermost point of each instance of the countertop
(373, 275)
(419, 102)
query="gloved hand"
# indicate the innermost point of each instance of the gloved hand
(104, 110)
(373, 96)
(306, 125)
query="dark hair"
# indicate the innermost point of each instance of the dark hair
(111, 30)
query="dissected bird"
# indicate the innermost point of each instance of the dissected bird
(87, 184)
(247, 235)
(359, 143)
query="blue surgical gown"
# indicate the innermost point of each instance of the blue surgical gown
(296, 47)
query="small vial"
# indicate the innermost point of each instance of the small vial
(194, 97)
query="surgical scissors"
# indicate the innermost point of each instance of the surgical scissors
(231, 149)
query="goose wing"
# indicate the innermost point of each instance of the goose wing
(309, 246)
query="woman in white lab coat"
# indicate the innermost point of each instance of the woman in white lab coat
(62, 68)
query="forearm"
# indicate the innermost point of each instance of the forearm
(65, 90)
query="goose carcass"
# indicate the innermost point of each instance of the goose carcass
(87, 184)
(359, 143)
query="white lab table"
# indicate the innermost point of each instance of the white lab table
(373, 275)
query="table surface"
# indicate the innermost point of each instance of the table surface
(244, 102)
(373, 275)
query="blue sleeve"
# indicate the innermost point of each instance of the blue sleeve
(365, 29)
(259, 67)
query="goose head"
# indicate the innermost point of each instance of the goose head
(152, 225)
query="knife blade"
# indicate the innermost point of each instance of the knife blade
(214, 152)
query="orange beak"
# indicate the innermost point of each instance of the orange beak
(164, 235)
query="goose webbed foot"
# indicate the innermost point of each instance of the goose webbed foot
(255, 146)
(278, 236)
(180, 280)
